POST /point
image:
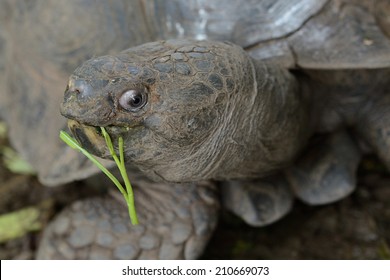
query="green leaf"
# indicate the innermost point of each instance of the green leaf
(15, 163)
(17, 224)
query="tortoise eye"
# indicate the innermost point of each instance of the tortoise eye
(133, 100)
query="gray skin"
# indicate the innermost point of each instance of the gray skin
(190, 110)
(298, 102)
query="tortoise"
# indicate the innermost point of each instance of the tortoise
(258, 101)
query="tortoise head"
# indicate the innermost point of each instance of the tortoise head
(165, 99)
(187, 110)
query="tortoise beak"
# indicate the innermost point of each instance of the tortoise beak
(89, 137)
(87, 102)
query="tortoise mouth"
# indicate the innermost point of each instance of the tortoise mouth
(89, 137)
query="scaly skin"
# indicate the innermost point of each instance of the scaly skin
(45, 40)
(176, 221)
(203, 113)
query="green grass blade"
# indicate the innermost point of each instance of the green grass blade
(129, 188)
(129, 197)
(128, 193)
(71, 142)
(110, 146)
(108, 141)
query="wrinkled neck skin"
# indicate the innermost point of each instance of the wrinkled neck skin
(212, 112)
(261, 130)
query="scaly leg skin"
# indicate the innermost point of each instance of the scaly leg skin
(258, 202)
(175, 222)
(326, 172)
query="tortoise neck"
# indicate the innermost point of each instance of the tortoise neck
(281, 114)
(266, 125)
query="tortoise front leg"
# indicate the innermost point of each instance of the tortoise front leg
(176, 222)
(326, 171)
(258, 202)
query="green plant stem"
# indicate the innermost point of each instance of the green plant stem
(129, 188)
(71, 142)
(128, 193)
(122, 169)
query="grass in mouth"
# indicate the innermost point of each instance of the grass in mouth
(127, 192)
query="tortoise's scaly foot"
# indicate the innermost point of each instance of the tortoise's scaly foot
(258, 202)
(326, 172)
(175, 222)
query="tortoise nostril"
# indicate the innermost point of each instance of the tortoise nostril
(79, 87)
